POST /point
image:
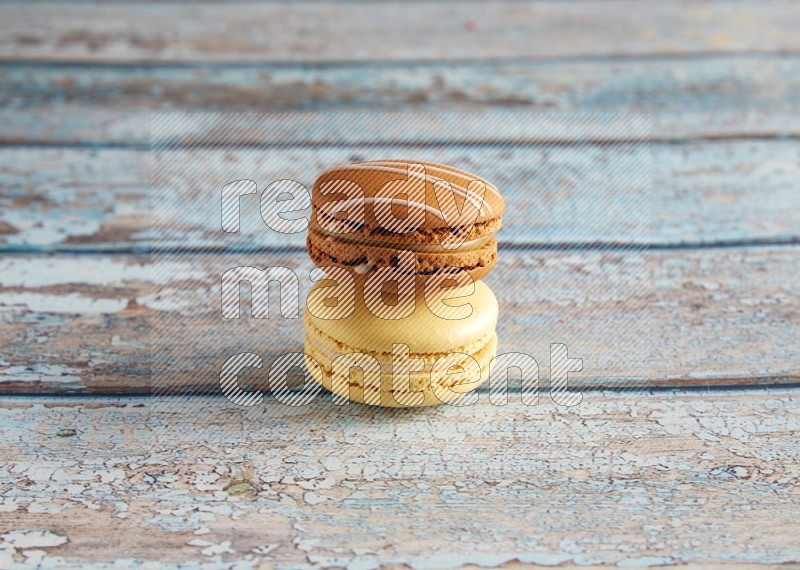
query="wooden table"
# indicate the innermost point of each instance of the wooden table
(702, 467)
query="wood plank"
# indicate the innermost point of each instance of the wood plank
(709, 97)
(702, 193)
(668, 479)
(723, 316)
(326, 32)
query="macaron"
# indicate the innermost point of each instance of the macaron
(363, 214)
(438, 353)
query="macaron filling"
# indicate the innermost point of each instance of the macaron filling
(469, 245)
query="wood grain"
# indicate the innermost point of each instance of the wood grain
(706, 97)
(665, 479)
(685, 458)
(326, 32)
(701, 193)
(724, 316)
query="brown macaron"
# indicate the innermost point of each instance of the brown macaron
(366, 215)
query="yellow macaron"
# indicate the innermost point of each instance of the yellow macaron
(436, 354)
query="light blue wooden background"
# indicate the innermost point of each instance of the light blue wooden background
(703, 470)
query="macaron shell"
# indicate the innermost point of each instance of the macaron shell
(423, 331)
(374, 175)
(456, 176)
(435, 390)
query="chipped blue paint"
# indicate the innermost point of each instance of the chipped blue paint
(692, 195)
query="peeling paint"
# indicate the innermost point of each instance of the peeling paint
(664, 480)
(72, 303)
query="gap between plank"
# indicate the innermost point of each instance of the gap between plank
(104, 145)
(533, 247)
(716, 388)
(391, 63)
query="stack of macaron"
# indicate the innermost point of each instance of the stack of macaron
(399, 315)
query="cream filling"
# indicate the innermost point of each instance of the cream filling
(470, 245)
(330, 347)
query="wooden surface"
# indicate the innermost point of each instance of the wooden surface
(95, 325)
(73, 103)
(660, 479)
(317, 32)
(701, 193)
(697, 466)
